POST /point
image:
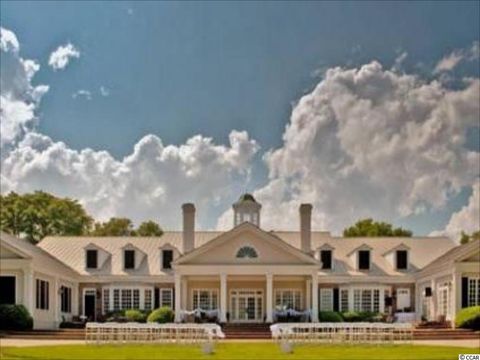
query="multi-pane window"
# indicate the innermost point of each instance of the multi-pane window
(289, 299)
(42, 294)
(247, 252)
(92, 259)
(326, 299)
(343, 300)
(129, 259)
(116, 299)
(366, 300)
(205, 299)
(443, 299)
(473, 291)
(147, 299)
(65, 299)
(106, 300)
(326, 259)
(136, 299)
(364, 259)
(126, 298)
(402, 259)
(166, 297)
(167, 258)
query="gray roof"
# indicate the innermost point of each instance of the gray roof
(423, 250)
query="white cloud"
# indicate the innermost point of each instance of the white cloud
(397, 65)
(82, 93)
(450, 61)
(104, 91)
(60, 58)
(18, 97)
(371, 142)
(467, 219)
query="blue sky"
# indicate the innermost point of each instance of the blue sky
(180, 69)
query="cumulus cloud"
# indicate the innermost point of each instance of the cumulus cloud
(371, 142)
(450, 61)
(82, 93)
(152, 182)
(18, 97)
(60, 58)
(467, 219)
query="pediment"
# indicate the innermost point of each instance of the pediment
(225, 248)
(9, 252)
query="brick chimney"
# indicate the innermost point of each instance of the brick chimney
(306, 227)
(188, 243)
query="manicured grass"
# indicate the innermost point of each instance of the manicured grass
(237, 351)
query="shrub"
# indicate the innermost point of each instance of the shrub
(162, 315)
(359, 316)
(468, 318)
(135, 315)
(329, 316)
(15, 317)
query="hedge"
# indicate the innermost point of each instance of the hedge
(135, 315)
(359, 316)
(468, 318)
(162, 315)
(15, 317)
(329, 316)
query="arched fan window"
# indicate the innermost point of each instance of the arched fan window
(247, 252)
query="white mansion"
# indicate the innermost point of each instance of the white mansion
(245, 274)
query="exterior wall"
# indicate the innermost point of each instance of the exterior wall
(46, 319)
(19, 283)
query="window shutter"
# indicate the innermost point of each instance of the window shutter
(336, 298)
(156, 298)
(464, 292)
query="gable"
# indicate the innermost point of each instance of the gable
(268, 248)
(9, 253)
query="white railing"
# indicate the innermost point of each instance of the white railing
(124, 333)
(288, 334)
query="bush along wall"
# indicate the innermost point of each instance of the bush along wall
(15, 317)
(468, 318)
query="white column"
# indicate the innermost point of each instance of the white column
(382, 300)
(269, 306)
(308, 297)
(184, 294)
(178, 297)
(223, 298)
(351, 298)
(456, 296)
(29, 292)
(433, 304)
(315, 297)
(418, 302)
(56, 301)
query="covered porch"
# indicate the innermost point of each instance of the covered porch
(247, 295)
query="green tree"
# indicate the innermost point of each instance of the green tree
(149, 228)
(39, 214)
(369, 227)
(465, 238)
(114, 227)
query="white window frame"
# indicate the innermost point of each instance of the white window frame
(326, 293)
(247, 258)
(112, 288)
(86, 257)
(475, 294)
(91, 291)
(297, 295)
(135, 256)
(369, 259)
(17, 290)
(161, 291)
(46, 295)
(407, 290)
(162, 267)
(210, 291)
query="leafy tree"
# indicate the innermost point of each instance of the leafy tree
(149, 228)
(369, 227)
(39, 214)
(114, 227)
(465, 238)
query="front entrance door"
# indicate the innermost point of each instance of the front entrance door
(89, 304)
(246, 305)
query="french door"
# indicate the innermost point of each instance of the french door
(246, 305)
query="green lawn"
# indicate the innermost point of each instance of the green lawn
(240, 351)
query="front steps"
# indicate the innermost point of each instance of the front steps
(60, 334)
(247, 331)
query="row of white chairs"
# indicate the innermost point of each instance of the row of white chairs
(123, 333)
(345, 333)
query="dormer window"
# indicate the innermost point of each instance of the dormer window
(167, 258)
(129, 259)
(247, 252)
(402, 259)
(91, 259)
(326, 259)
(364, 259)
